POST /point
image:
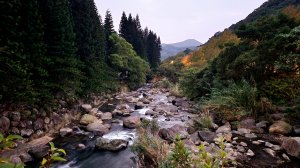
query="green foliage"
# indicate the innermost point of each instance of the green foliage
(203, 122)
(124, 60)
(207, 160)
(8, 142)
(180, 156)
(149, 147)
(54, 155)
(236, 100)
(4, 163)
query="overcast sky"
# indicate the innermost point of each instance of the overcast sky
(178, 20)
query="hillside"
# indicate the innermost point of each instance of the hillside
(174, 48)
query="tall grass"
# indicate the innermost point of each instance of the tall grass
(239, 98)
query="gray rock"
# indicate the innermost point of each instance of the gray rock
(251, 136)
(243, 144)
(56, 118)
(106, 116)
(250, 153)
(224, 129)
(15, 116)
(240, 149)
(280, 127)
(292, 146)
(80, 147)
(276, 147)
(39, 152)
(65, 131)
(270, 152)
(87, 119)
(98, 128)
(268, 144)
(111, 145)
(262, 124)
(285, 157)
(26, 132)
(25, 157)
(86, 108)
(296, 129)
(256, 142)
(132, 122)
(247, 123)
(207, 136)
(15, 159)
(149, 112)
(4, 124)
(93, 111)
(38, 124)
(139, 105)
(244, 131)
(171, 133)
(15, 130)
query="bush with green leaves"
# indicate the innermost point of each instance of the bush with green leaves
(54, 155)
(207, 160)
(236, 100)
(203, 122)
(180, 156)
(8, 142)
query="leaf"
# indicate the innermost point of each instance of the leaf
(52, 146)
(44, 161)
(13, 137)
(58, 158)
(62, 151)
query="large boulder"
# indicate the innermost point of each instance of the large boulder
(224, 129)
(87, 119)
(280, 127)
(111, 145)
(292, 146)
(171, 133)
(132, 122)
(123, 110)
(207, 136)
(248, 123)
(4, 124)
(98, 128)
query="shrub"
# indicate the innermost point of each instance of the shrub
(151, 150)
(206, 160)
(203, 122)
(180, 156)
(234, 101)
(54, 155)
(175, 91)
(4, 163)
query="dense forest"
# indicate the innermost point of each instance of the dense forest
(62, 48)
(250, 66)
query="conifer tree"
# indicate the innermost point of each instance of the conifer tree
(109, 29)
(63, 67)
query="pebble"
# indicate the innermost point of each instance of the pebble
(270, 152)
(276, 147)
(243, 144)
(268, 144)
(235, 138)
(250, 136)
(240, 149)
(261, 141)
(256, 142)
(286, 157)
(250, 153)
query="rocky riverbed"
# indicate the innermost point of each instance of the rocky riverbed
(102, 135)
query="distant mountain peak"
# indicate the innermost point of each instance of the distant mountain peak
(173, 48)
